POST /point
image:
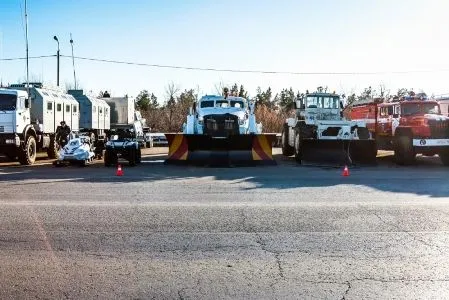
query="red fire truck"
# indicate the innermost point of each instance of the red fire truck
(408, 125)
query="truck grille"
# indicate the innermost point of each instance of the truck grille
(221, 125)
(439, 129)
(6, 127)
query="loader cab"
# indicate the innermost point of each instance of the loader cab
(319, 106)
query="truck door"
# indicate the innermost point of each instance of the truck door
(383, 120)
(395, 118)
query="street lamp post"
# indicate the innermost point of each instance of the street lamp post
(57, 66)
(73, 61)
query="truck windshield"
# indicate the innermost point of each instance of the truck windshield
(420, 108)
(237, 103)
(322, 102)
(8, 102)
(222, 103)
(207, 104)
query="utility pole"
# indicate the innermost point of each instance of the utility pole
(57, 57)
(73, 62)
(26, 39)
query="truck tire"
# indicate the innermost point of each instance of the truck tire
(139, 156)
(132, 156)
(27, 155)
(110, 158)
(298, 147)
(363, 133)
(287, 150)
(53, 149)
(444, 156)
(403, 150)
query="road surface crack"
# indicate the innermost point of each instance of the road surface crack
(399, 229)
(280, 275)
(348, 283)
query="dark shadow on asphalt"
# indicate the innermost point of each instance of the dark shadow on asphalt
(427, 177)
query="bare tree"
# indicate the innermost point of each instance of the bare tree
(171, 91)
(219, 87)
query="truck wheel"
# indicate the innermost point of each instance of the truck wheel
(27, 155)
(139, 156)
(132, 156)
(53, 149)
(403, 150)
(298, 147)
(109, 158)
(363, 133)
(287, 150)
(444, 156)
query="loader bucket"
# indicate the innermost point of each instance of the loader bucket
(338, 152)
(236, 150)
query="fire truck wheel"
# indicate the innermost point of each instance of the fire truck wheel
(287, 150)
(444, 156)
(403, 150)
(298, 147)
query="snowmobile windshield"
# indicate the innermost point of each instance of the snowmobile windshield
(8, 102)
(420, 108)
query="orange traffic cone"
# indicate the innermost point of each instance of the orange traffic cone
(119, 171)
(345, 172)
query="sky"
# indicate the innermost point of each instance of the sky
(321, 36)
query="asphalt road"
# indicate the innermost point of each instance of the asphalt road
(169, 232)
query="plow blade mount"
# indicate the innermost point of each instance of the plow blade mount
(236, 150)
(338, 152)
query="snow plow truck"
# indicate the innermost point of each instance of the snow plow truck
(221, 130)
(319, 134)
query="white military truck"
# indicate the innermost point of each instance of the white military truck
(221, 130)
(28, 123)
(319, 133)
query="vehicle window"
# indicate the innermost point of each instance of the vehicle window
(8, 102)
(58, 107)
(74, 108)
(67, 108)
(235, 103)
(313, 102)
(330, 102)
(207, 104)
(222, 103)
(101, 110)
(49, 106)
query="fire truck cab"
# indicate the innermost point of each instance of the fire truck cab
(408, 125)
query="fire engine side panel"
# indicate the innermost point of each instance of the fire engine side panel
(365, 113)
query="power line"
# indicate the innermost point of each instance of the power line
(23, 58)
(249, 71)
(228, 70)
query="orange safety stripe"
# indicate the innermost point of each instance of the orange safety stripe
(261, 148)
(178, 147)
